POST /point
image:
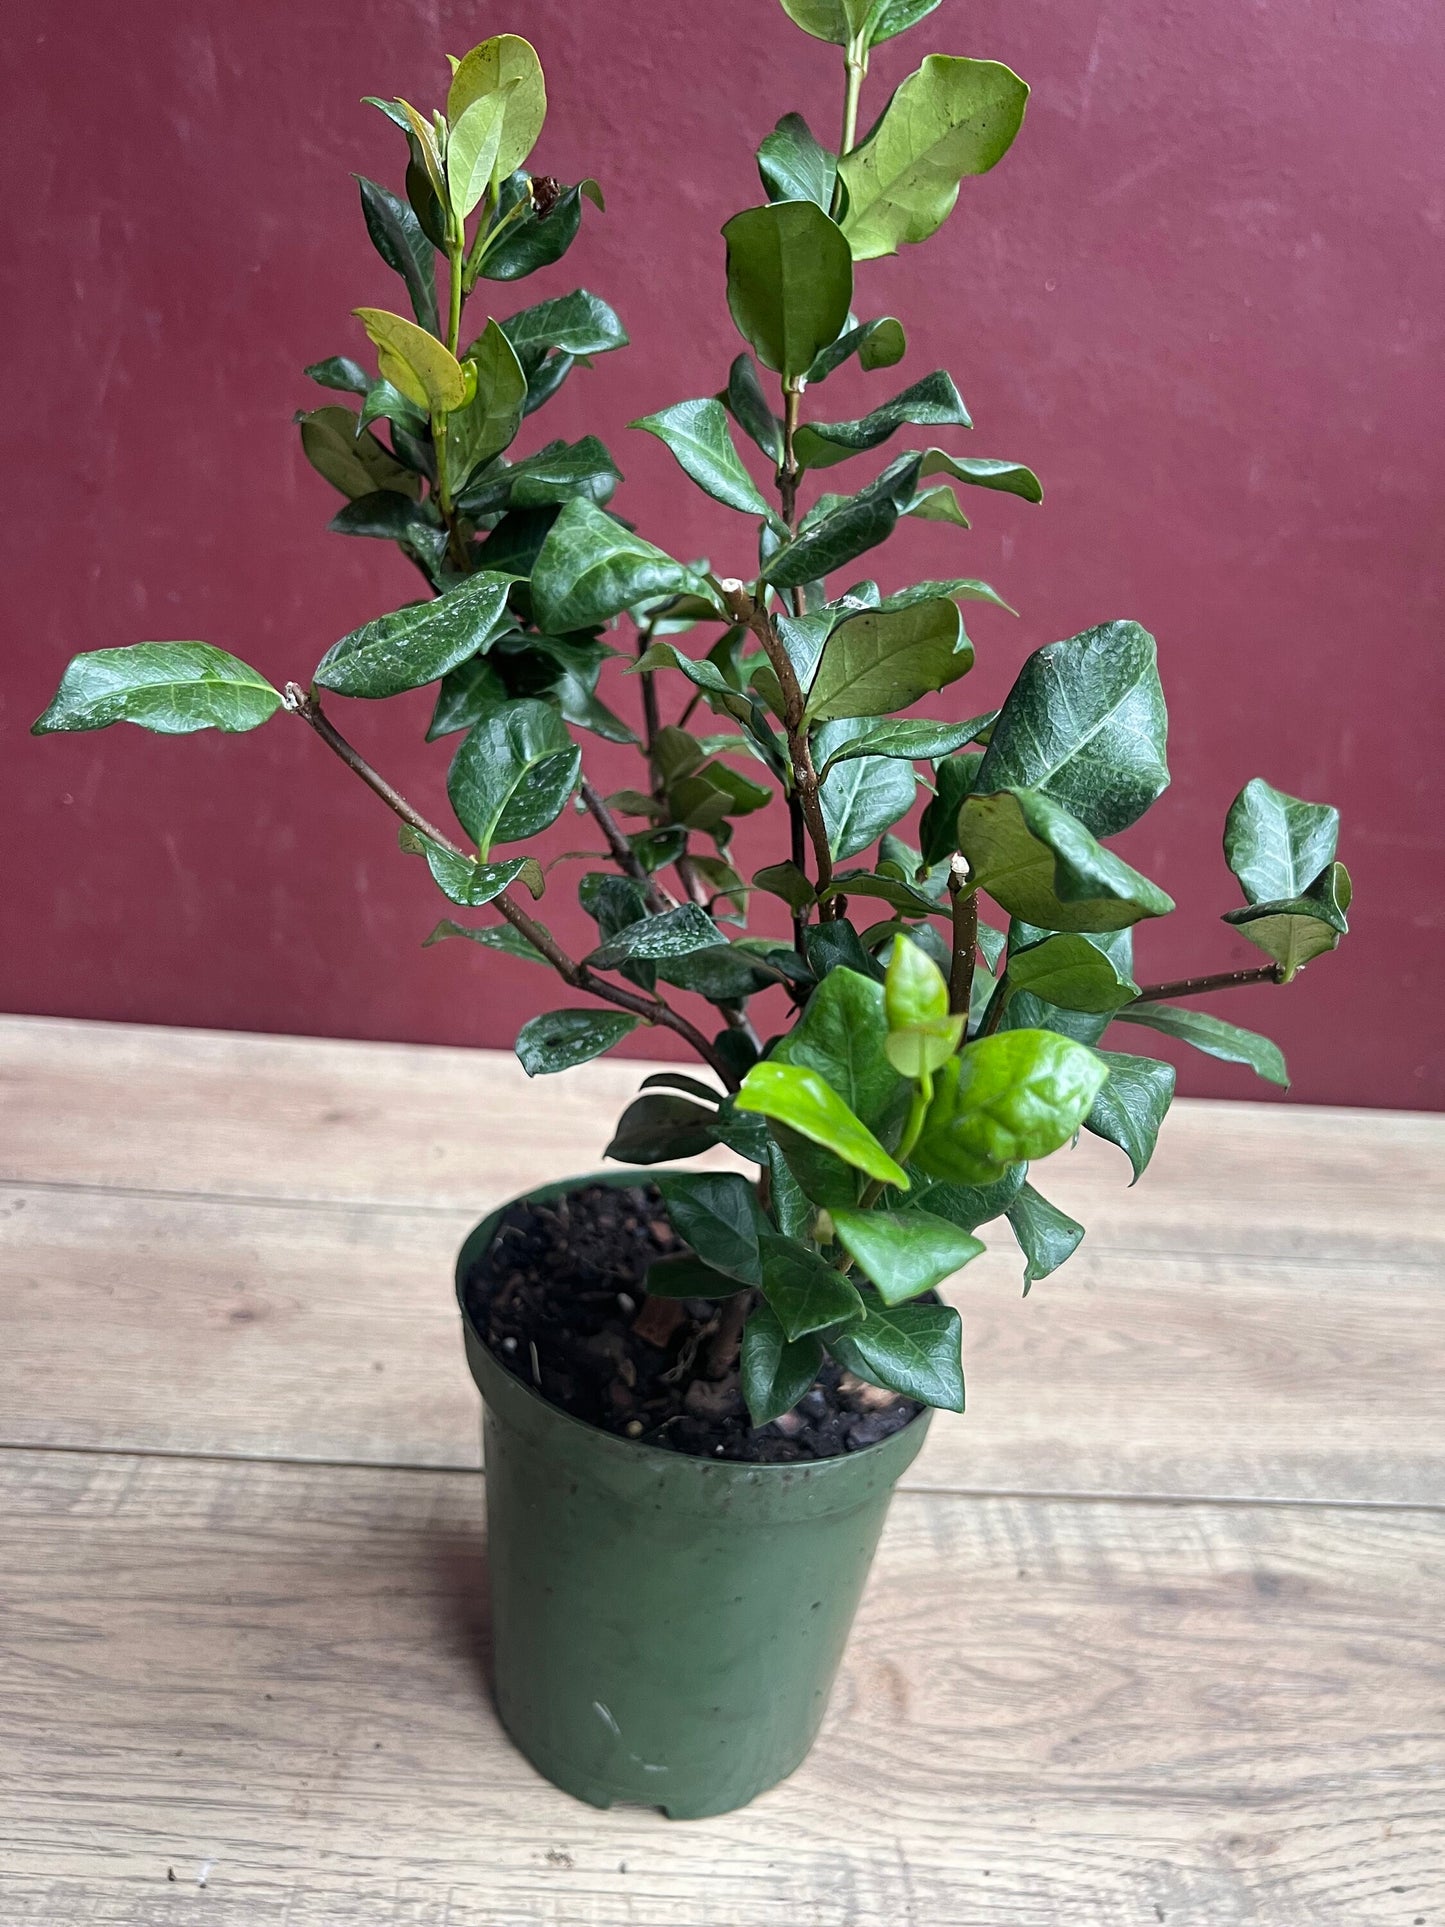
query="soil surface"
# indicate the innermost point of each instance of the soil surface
(560, 1300)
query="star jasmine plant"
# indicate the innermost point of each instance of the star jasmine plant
(948, 1000)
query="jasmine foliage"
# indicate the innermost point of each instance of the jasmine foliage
(933, 1057)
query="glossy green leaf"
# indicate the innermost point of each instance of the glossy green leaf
(934, 401)
(696, 432)
(171, 688)
(954, 779)
(717, 1213)
(837, 20)
(468, 693)
(787, 881)
(904, 1252)
(794, 166)
(912, 740)
(880, 661)
(473, 884)
(578, 323)
(1040, 863)
(1046, 1235)
(339, 371)
(473, 150)
(416, 645)
(1010, 478)
(397, 237)
(841, 528)
(890, 17)
(1297, 929)
(915, 1350)
(967, 1205)
(591, 568)
(877, 344)
(914, 989)
(489, 422)
(1005, 1099)
(1277, 845)
(951, 118)
(861, 797)
(748, 406)
(536, 238)
(1085, 724)
(390, 517)
(505, 66)
(804, 1101)
(1228, 1042)
(1073, 973)
(558, 1039)
(1130, 1107)
(672, 933)
(775, 1372)
(687, 1277)
(513, 774)
(958, 586)
(660, 1126)
(414, 361)
(789, 282)
(561, 472)
(495, 936)
(807, 1294)
(356, 464)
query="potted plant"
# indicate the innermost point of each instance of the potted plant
(700, 1387)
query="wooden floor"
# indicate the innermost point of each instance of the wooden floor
(1157, 1632)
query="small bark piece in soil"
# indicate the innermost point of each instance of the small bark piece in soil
(560, 1300)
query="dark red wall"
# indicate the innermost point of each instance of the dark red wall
(1203, 296)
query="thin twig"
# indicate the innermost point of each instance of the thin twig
(623, 853)
(964, 907)
(1222, 980)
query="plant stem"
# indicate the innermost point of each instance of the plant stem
(789, 473)
(856, 72)
(1222, 980)
(579, 976)
(721, 1354)
(623, 854)
(964, 904)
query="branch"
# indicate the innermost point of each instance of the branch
(1222, 980)
(579, 976)
(964, 904)
(623, 853)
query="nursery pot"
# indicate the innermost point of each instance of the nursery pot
(666, 1628)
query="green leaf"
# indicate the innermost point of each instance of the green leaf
(506, 66)
(787, 881)
(558, 1039)
(578, 324)
(931, 402)
(775, 1372)
(468, 693)
(591, 568)
(789, 282)
(535, 239)
(841, 528)
(911, 740)
(489, 422)
(837, 20)
(1130, 1107)
(914, 989)
(417, 644)
(1004, 1099)
(880, 661)
(473, 150)
(1085, 725)
(957, 586)
(717, 1213)
(1011, 478)
(860, 798)
(968, 1205)
(557, 473)
(1275, 844)
(890, 17)
(397, 237)
(473, 884)
(513, 774)
(1040, 863)
(806, 1294)
(748, 406)
(697, 434)
(801, 1099)
(687, 1277)
(954, 780)
(672, 933)
(659, 1126)
(414, 361)
(796, 167)
(1073, 973)
(951, 118)
(1228, 1042)
(339, 371)
(1046, 1235)
(904, 1252)
(496, 936)
(356, 464)
(171, 688)
(392, 518)
(1298, 929)
(915, 1350)
(877, 344)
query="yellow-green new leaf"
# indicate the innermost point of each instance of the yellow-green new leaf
(803, 1100)
(505, 63)
(414, 361)
(953, 117)
(472, 151)
(489, 422)
(356, 463)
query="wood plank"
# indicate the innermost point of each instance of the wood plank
(325, 1332)
(1051, 1714)
(153, 1109)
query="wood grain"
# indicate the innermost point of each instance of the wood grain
(325, 1332)
(135, 1108)
(1050, 1714)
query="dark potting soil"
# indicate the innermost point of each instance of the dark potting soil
(561, 1302)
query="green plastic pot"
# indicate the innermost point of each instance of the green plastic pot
(666, 1628)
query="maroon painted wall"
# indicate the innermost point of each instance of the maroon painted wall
(1203, 296)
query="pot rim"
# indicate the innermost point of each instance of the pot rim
(638, 1450)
